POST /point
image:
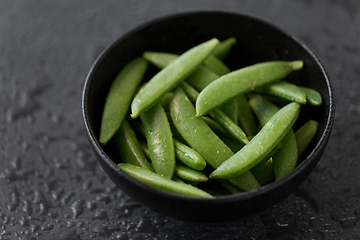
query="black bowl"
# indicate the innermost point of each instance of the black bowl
(257, 41)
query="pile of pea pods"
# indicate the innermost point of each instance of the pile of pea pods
(198, 129)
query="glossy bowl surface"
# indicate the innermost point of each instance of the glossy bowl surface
(257, 41)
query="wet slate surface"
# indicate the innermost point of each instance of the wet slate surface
(53, 188)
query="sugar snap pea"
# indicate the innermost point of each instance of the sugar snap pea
(199, 136)
(263, 109)
(189, 174)
(261, 145)
(188, 156)
(264, 172)
(160, 59)
(160, 182)
(286, 90)
(313, 97)
(232, 128)
(242, 81)
(245, 116)
(305, 134)
(165, 100)
(129, 147)
(119, 97)
(167, 78)
(285, 159)
(199, 79)
(219, 130)
(183, 153)
(160, 140)
(216, 65)
(286, 154)
(225, 121)
(224, 48)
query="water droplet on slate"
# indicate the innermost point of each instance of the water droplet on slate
(23, 221)
(26, 207)
(103, 198)
(8, 174)
(15, 162)
(91, 205)
(65, 199)
(100, 214)
(77, 208)
(47, 226)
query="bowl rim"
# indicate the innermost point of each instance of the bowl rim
(226, 198)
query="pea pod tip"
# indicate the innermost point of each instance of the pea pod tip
(297, 65)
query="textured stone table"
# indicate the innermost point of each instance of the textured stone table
(51, 186)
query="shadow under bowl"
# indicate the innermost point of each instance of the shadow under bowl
(257, 41)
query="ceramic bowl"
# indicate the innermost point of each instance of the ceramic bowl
(257, 41)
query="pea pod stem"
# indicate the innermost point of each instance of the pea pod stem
(242, 81)
(155, 180)
(167, 78)
(261, 145)
(120, 94)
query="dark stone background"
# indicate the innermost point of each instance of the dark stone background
(53, 188)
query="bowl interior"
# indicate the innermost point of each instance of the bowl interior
(257, 41)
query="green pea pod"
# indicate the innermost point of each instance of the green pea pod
(219, 130)
(231, 109)
(159, 140)
(144, 148)
(224, 48)
(119, 97)
(188, 156)
(285, 159)
(155, 180)
(313, 97)
(246, 117)
(242, 81)
(183, 153)
(129, 147)
(170, 76)
(160, 59)
(305, 134)
(232, 128)
(261, 145)
(176, 179)
(216, 65)
(284, 90)
(199, 79)
(189, 174)
(263, 109)
(285, 155)
(165, 100)
(264, 172)
(200, 137)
